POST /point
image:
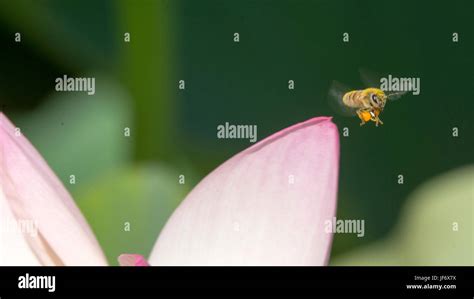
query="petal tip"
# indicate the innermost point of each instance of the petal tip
(315, 121)
(248, 195)
(323, 122)
(135, 260)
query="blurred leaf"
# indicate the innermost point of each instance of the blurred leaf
(144, 196)
(431, 218)
(380, 253)
(80, 134)
(426, 234)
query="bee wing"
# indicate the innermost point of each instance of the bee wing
(393, 96)
(370, 78)
(336, 92)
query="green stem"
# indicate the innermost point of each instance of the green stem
(147, 72)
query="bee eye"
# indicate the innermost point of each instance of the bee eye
(374, 98)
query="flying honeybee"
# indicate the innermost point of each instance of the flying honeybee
(369, 103)
(366, 103)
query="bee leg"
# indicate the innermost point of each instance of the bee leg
(360, 116)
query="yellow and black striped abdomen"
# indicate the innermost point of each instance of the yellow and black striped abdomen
(353, 98)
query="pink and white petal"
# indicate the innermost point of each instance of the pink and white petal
(14, 249)
(134, 260)
(32, 193)
(265, 206)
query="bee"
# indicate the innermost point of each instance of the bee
(366, 103)
(369, 103)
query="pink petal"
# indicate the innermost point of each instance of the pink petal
(31, 193)
(247, 212)
(14, 249)
(132, 260)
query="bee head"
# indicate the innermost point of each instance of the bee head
(377, 98)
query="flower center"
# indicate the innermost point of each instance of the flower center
(134, 260)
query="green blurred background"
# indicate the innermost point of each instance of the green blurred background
(173, 132)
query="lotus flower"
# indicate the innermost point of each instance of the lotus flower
(265, 206)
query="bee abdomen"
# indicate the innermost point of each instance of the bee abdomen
(351, 98)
